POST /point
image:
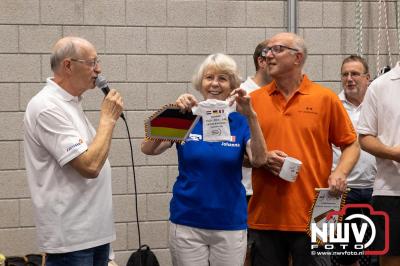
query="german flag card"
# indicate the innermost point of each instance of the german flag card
(170, 124)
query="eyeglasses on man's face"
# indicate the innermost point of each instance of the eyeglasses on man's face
(276, 49)
(352, 74)
(89, 62)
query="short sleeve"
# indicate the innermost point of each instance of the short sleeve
(59, 136)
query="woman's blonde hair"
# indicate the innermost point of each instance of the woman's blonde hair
(222, 63)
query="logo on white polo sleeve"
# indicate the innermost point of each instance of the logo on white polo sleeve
(75, 145)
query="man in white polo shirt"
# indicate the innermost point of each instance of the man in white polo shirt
(355, 78)
(69, 174)
(379, 134)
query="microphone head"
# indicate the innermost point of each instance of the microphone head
(101, 82)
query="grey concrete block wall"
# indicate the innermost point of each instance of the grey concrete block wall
(149, 50)
(178, 13)
(19, 12)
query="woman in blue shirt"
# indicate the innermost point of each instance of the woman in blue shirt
(208, 209)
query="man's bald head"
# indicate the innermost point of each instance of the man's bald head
(65, 48)
(295, 41)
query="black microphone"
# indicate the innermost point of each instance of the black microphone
(102, 84)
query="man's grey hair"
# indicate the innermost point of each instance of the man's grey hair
(300, 44)
(64, 48)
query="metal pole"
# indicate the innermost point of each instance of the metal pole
(292, 15)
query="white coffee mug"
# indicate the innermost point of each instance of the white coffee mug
(290, 169)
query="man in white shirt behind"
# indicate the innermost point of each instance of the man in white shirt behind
(355, 80)
(260, 79)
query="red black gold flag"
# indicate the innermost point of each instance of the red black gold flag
(170, 124)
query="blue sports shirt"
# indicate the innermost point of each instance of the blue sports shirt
(208, 192)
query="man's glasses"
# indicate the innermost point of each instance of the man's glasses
(276, 49)
(90, 62)
(352, 74)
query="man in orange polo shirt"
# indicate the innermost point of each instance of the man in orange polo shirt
(300, 119)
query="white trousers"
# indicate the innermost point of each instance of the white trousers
(190, 246)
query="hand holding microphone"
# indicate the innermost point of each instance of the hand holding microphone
(113, 100)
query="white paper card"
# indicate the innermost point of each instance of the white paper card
(215, 119)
